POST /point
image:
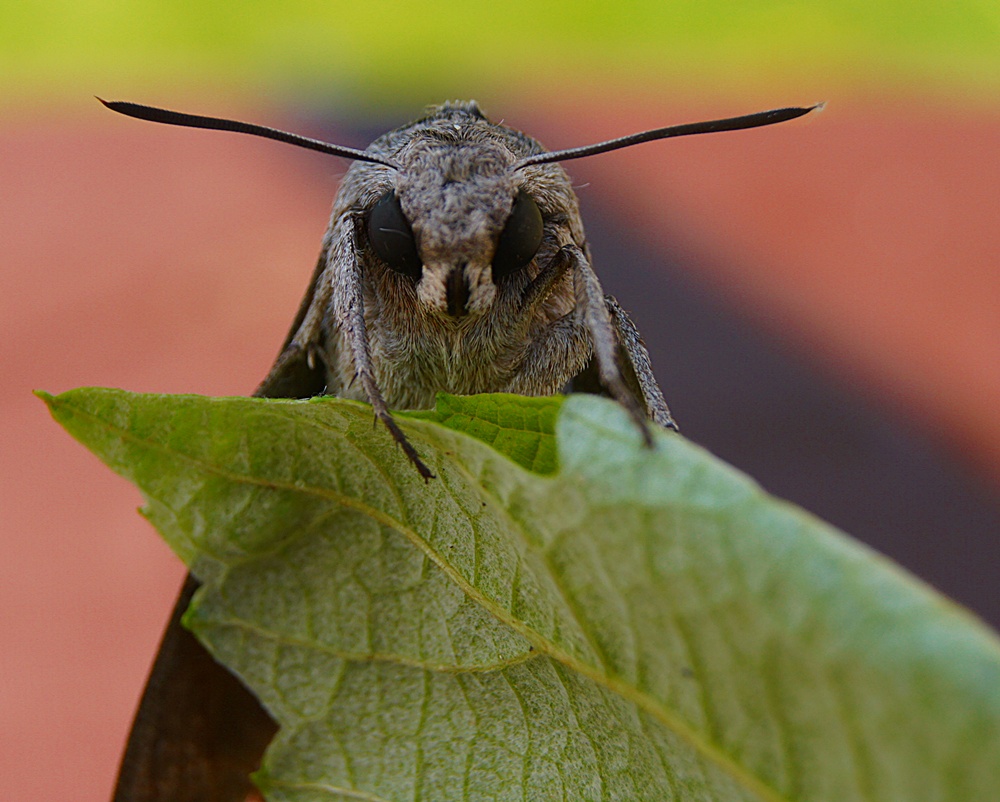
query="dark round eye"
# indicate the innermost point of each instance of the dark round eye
(390, 234)
(520, 238)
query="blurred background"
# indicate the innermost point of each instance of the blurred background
(821, 299)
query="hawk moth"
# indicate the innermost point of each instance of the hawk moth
(455, 261)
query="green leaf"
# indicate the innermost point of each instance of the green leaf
(642, 624)
(522, 428)
(406, 49)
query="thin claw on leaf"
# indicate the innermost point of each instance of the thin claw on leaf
(401, 440)
(407, 447)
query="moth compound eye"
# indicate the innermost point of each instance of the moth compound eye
(520, 238)
(391, 236)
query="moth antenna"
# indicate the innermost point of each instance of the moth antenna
(156, 115)
(708, 127)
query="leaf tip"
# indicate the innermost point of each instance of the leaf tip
(51, 402)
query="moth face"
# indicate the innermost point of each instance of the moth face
(457, 224)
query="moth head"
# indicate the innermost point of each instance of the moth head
(456, 261)
(459, 220)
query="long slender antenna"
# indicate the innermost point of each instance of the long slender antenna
(709, 127)
(215, 123)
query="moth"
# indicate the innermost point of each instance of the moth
(455, 261)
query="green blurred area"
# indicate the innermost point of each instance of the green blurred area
(380, 52)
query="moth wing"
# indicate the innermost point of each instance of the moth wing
(198, 732)
(297, 372)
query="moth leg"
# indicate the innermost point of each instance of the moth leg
(604, 341)
(558, 348)
(636, 367)
(538, 290)
(349, 302)
(562, 348)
